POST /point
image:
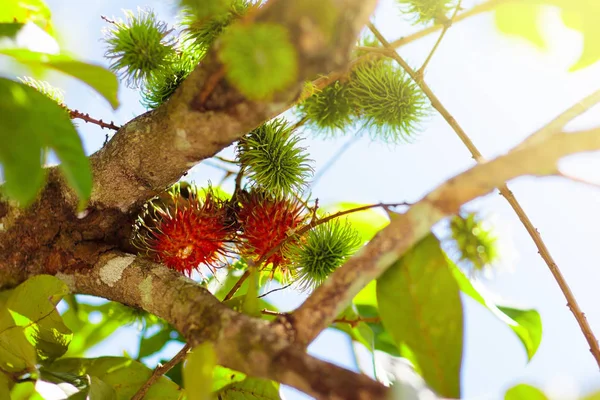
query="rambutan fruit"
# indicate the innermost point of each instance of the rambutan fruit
(183, 229)
(265, 222)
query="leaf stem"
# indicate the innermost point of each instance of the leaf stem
(76, 114)
(160, 371)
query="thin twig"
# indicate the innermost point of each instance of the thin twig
(160, 371)
(478, 9)
(323, 220)
(506, 192)
(352, 322)
(226, 160)
(331, 162)
(237, 285)
(275, 290)
(75, 114)
(447, 26)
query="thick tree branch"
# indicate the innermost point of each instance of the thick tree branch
(250, 345)
(155, 149)
(405, 230)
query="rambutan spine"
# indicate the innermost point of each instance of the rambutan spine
(184, 228)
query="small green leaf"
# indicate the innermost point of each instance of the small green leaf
(30, 124)
(198, 371)
(224, 376)
(154, 343)
(123, 374)
(10, 30)
(524, 392)
(527, 324)
(22, 11)
(16, 353)
(250, 388)
(259, 59)
(420, 305)
(98, 78)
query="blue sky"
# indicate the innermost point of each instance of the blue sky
(499, 89)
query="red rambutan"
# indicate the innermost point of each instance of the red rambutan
(265, 222)
(183, 231)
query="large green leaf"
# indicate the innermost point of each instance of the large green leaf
(33, 307)
(22, 11)
(31, 123)
(5, 384)
(198, 371)
(25, 391)
(250, 389)
(124, 375)
(17, 354)
(224, 376)
(524, 20)
(420, 305)
(99, 78)
(524, 392)
(526, 324)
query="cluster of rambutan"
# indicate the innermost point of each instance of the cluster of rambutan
(185, 228)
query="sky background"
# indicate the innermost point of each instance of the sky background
(500, 89)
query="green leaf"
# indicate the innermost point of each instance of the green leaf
(33, 307)
(250, 389)
(5, 384)
(125, 376)
(526, 324)
(154, 343)
(224, 376)
(25, 391)
(99, 390)
(17, 354)
(31, 123)
(198, 371)
(23, 11)
(98, 78)
(520, 19)
(113, 315)
(259, 59)
(582, 15)
(420, 305)
(10, 30)
(592, 396)
(524, 392)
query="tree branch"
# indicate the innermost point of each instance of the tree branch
(405, 230)
(544, 133)
(250, 345)
(155, 149)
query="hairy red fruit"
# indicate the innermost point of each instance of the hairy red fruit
(183, 231)
(265, 222)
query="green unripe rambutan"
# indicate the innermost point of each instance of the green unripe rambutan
(321, 251)
(138, 46)
(472, 242)
(424, 11)
(163, 83)
(389, 102)
(329, 109)
(259, 59)
(273, 159)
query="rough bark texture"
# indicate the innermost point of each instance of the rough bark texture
(91, 252)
